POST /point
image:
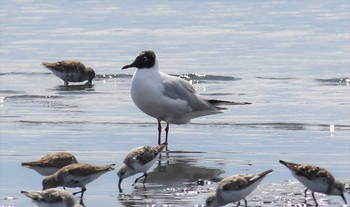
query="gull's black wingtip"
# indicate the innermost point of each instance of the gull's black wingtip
(216, 102)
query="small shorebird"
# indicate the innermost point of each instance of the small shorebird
(76, 175)
(139, 159)
(71, 71)
(234, 189)
(52, 198)
(316, 179)
(167, 98)
(51, 163)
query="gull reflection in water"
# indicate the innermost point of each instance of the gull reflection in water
(175, 177)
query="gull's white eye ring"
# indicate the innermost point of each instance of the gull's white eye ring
(145, 58)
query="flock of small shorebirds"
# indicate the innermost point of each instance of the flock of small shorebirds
(166, 98)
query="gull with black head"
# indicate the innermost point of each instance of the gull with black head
(167, 98)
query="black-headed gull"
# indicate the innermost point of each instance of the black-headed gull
(167, 98)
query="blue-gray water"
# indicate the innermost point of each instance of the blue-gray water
(289, 58)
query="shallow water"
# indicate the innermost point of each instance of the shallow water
(290, 59)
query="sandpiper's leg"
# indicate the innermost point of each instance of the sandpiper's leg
(137, 179)
(313, 196)
(81, 202)
(245, 202)
(76, 192)
(144, 180)
(239, 203)
(65, 83)
(343, 197)
(83, 189)
(120, 185)
(305, 193)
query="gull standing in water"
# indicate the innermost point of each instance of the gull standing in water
(167, 98)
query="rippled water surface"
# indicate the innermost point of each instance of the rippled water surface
(289, 58)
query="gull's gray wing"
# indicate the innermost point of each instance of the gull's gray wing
(177, 88)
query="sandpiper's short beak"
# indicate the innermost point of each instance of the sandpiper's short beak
(120, 185)
(343, 197)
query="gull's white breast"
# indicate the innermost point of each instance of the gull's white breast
(147, 92)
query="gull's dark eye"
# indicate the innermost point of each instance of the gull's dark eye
(145, 58)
